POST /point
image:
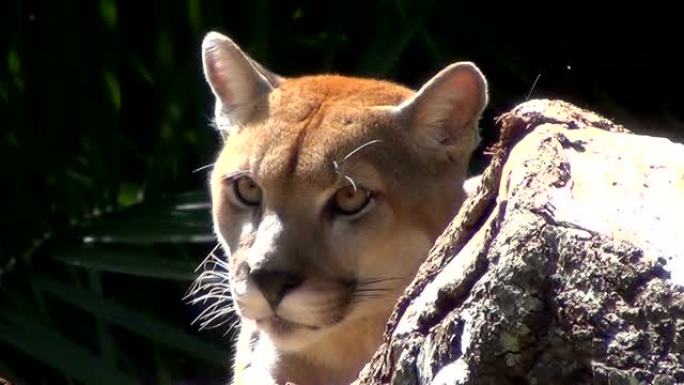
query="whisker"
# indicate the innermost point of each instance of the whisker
(206, 166)
(373, 290)
(232, 326)
(351, 181)
(204, 298)
(337, 165)
(361, 147)
(367, 295)
(208, 257)
(222, 313)
(211, 291)
(534, 84)
(357, 299)
(378, 280)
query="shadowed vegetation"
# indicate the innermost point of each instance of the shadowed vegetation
(105, 115)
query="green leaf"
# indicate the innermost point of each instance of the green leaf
(53, 349)
(194, 15)
(112, 83)
(108, 349)
(139, 261)
(146, 231)
(134, 321)
(181, 219)
(13, 62)
(108, 13)
(142, 70)
(129, 194)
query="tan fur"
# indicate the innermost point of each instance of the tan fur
(294, 140)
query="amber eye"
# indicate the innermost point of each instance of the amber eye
(247, 191)
(350, 200)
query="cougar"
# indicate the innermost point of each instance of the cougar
(326, 197)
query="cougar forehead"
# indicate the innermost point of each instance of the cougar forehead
(311, 123)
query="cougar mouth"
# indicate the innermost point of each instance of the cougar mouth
(288, 335)
(278, 325)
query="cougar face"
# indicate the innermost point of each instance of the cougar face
(330, 190)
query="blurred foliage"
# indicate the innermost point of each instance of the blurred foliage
(104, 117)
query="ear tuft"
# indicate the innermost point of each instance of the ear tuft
(238, 82)
(448, 106)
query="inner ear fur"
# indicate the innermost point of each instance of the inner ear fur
(241, 85)
(447, 108)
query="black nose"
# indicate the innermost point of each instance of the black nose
(274, 285)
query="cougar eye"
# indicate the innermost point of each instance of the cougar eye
(247, 191)
(349, 200)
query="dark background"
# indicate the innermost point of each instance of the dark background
(105, 115)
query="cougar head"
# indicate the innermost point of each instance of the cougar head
(330, 190)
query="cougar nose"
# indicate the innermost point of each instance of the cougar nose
(274, 285)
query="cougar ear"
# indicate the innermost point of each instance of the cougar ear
(239, 83)
(446, 109)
